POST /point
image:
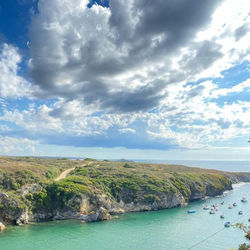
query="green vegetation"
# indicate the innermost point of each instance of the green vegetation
(247, 235)
(13, 181)
(89, 159)
(244, 247)
(28, 184)
(244, 228)
(146, 183)
(126, 165)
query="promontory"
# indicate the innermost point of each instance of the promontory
(42, 189)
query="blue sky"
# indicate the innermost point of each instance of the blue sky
(125, 79)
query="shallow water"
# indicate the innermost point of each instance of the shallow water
(171, 229)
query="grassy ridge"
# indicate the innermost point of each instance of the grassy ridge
(145, 182)
(27, 184)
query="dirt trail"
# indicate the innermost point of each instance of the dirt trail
(64, 174)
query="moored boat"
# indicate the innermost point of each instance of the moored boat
(227, 224)
(244, 199)
(206, 207)
(191, 211)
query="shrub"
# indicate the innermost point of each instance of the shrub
(247, 235)
(126, 165)
(244, 247)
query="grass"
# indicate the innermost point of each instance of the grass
(130, 182)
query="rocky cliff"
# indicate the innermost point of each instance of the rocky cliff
(100, 190)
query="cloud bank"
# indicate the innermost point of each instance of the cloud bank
(134, 74)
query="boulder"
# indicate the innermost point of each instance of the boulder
(2, 227)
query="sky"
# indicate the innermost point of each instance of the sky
(134, 79)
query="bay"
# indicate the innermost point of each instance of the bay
(170, 229)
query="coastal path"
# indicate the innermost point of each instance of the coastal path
(64, 174)
(67, 171)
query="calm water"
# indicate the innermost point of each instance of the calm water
(171, 229)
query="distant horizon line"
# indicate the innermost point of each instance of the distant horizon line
(120, 159)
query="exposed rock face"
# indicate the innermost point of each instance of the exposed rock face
(2, 227)
(97, 190)
(13, 210)
(240, 177)
(164, 201)
(95, 207)
(99, 215)
(98, 206)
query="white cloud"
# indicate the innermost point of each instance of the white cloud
(123, 57)
(127, 130)
(126, 67)
(15, 146)
(12, 85)
(4, 128)
(241, 87)
(188, 118)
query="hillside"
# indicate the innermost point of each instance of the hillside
(95, 190)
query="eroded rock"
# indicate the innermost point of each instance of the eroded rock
(2, 227)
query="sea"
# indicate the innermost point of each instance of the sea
(170, 229)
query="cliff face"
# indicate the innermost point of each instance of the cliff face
(97, 191)
(93, 206)
(239, 177)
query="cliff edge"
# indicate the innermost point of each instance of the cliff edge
(97, 190)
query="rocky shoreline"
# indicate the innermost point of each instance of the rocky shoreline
(104, 208)
(89, 194)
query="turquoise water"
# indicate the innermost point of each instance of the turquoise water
(171, 229)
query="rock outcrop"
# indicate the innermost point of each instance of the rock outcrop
(95, 207)
(95, 192)
(239, 177)
(2, 227)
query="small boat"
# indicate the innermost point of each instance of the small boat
(243, 199)
(230, 207)
(222, 216)
(206, 207)
(211, 212)
(240, 213)
(214, 207)
(234, 204)
(222, 203)
(227, 224)
(191, 211)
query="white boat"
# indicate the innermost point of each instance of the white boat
(240, 213)
(206, 207)
(230, 207)
(244, 199)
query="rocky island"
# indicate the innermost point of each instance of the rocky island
(41, 189)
